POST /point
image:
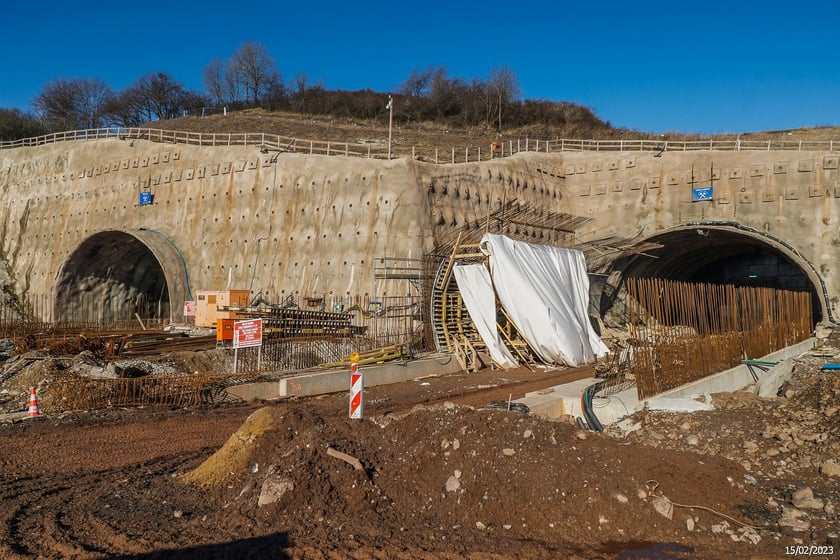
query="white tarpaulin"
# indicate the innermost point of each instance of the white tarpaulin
(545, 291)
(477, 293)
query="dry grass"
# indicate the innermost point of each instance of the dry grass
(340, 130)
(819, 133)
(427, 136)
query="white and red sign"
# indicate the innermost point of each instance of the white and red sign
(247, 333)
(357, 388)
(189, 308)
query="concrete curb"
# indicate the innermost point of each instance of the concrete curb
(14, 416)
(337, 380)
(768, 385)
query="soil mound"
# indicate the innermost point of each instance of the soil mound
(235, 455)
(452, 474)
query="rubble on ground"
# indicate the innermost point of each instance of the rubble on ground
(40, 368)
(788, 445)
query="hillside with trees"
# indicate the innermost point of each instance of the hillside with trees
(249, 80)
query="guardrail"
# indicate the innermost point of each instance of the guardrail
(273, 143)
(736, 145)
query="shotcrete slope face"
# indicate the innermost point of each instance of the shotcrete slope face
(114, 275)
(299, 224)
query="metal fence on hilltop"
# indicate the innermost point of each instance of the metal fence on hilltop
(273, 143)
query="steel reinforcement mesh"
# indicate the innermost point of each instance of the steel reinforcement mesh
(681, 332)
(74, 393)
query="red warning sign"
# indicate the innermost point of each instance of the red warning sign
(247, 333)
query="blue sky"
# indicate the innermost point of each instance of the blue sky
(653, 66)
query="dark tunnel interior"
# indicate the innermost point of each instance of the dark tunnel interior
(112, 276)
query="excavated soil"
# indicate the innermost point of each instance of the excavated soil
(447, 479)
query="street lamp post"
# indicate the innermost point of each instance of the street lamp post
(390, 122)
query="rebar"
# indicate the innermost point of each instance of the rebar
(73, 393)
(681, 332)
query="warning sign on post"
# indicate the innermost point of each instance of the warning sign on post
(189, 308)
(247, 333)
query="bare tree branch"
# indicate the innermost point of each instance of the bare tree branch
(255, 69)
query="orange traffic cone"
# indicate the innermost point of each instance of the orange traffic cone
(33, 403)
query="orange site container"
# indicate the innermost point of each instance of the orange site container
(224, 330)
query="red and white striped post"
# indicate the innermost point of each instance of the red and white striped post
(357, 388)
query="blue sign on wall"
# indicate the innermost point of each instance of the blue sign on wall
(699, 194)
(146, 198)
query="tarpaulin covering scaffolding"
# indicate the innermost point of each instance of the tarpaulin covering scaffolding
(477, 292)
(545, 292)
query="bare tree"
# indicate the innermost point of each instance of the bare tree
(275, 97)
(73, 104)
(191, 102)
(233, 84)
(298, 94)
(503, 88)
(478, 107)
(255, 69)
(417, 82)
(159, 94)
(15, 125)
(93, 98)
(127, 108)
(447, 95)
(214, 81)
(301, 84)
(57, 105)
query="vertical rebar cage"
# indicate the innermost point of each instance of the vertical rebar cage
(681, 332)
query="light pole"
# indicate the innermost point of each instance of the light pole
(390, 122)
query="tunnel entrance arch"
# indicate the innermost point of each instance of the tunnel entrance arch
(717, 253)
(118, 275)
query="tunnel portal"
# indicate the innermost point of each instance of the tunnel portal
(728, 254)
(115, 276)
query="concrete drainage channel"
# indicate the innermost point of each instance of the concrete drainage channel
(562, 400)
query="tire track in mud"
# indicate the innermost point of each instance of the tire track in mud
(78, 516)
(28, 497)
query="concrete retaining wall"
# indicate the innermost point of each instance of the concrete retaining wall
(738, 377)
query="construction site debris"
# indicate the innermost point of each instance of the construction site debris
(386, 354)
(349, 459)
(239, 450)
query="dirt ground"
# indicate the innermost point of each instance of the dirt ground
(431, 472)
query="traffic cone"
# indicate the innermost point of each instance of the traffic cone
(33, 403)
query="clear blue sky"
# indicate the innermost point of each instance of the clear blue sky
(735, 66)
